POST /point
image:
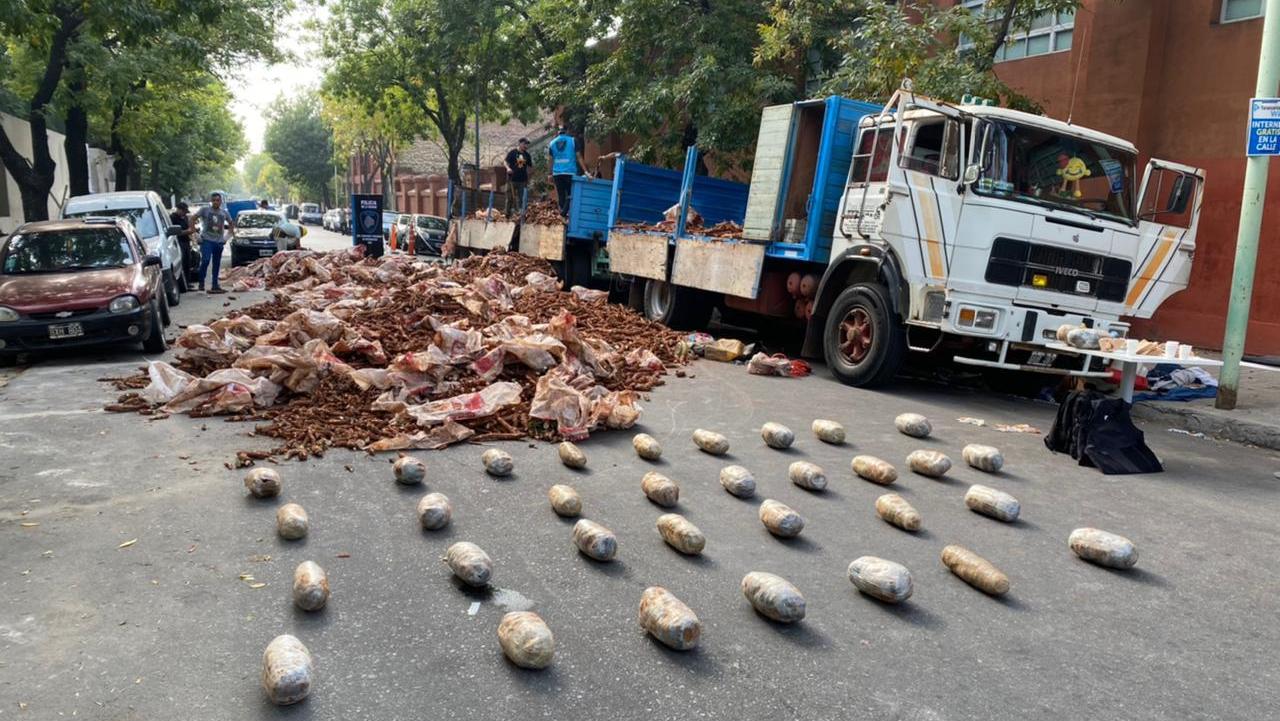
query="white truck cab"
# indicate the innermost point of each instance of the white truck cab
(986, 229)
(146, 211)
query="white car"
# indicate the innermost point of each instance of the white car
(145, 210)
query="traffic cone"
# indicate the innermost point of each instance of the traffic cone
(393, 237)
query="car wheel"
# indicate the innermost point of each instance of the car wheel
(164, 309)
(676, 306)
(155, 342)
(170, 288)
(863, 342)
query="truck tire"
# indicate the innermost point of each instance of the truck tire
(155, 342)
(676, 306)
(863, 342)
(171, 288)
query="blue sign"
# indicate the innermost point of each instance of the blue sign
(1264, 127)
(366, 223)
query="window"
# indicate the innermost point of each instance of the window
(142, 218)
(880, 163)
(1036, 165)
(1233, 10)
(935, 148)
(1049, 33)
(67, 250)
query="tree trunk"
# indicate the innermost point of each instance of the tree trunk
(76, 142)
(124, 170)
(1005, 23)
(35, 177)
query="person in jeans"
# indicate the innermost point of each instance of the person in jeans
(518, 162)
(566, 161)
(215, 221)
(181, 216)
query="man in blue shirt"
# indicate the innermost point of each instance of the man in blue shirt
(566, 161)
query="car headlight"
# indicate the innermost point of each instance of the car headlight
(8, 315)
(123, 304)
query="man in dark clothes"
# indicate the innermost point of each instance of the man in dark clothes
(181, 215)
(518, 162)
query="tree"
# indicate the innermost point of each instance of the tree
(48, 28)
(379, 133)
(881, 43)
(451, 59)
(88, 61)
(673, 73)
(297, 139)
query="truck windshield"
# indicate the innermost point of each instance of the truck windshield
(1036, 165)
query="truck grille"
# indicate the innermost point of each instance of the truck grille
(1017, 262)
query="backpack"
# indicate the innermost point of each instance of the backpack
(1098, 431)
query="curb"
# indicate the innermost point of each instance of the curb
(1211, 423)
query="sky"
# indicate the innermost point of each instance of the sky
(258, 85)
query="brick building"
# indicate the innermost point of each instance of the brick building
(1174, 77)
(422, 181)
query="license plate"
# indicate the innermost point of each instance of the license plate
(265, 253)
(66, 330)
(1043, 360)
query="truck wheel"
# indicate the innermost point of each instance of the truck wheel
(155, 342)
(863, 342)
(676, 306)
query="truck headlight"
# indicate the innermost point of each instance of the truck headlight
(980, 318)
(8, 315)
(123, 304)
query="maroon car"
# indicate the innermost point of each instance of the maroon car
(77, 282)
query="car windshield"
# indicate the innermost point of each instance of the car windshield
(310, 208)
(66, 250)
(258, 220)
(1039, 166)
(402, 220)
(142, 218)
(431, 223)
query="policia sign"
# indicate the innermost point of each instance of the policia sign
(366, 223)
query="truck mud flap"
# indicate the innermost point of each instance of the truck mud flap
(542, 241)
(643, 255)
(720, 266)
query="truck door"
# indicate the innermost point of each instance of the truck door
(930, 160)
(1168, 211)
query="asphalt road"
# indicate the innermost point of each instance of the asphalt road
(164, 627)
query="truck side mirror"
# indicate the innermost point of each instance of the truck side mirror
(970, 174)
(1180, 194)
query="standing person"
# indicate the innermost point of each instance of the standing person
(264, 205)
(566, 161)
(181, 216)
(214, 222)
(518, 162)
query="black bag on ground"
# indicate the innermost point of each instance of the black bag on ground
(1098, 431)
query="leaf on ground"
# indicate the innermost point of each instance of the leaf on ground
(128, 543)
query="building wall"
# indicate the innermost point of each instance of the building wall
(19, 132)
(1171, 78)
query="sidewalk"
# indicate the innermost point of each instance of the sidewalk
(1255, 420)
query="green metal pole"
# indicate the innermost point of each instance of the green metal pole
(1255, 193)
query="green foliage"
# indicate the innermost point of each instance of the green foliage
(264, 178)
(298, 140)
(866, 47)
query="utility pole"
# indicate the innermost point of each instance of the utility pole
(1251, 204)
